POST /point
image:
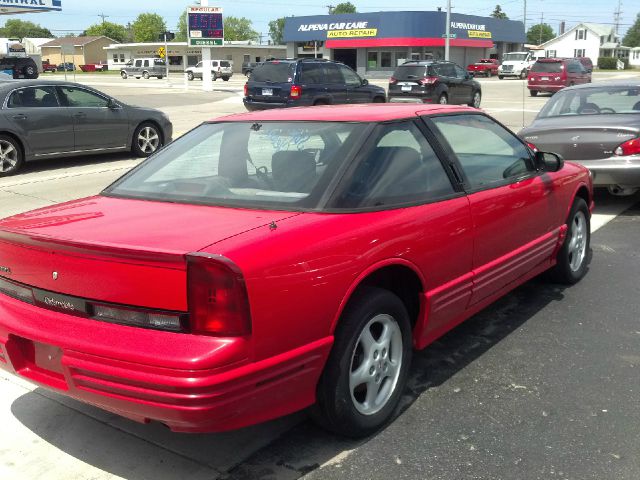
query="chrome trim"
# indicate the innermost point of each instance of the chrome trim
(79, 151)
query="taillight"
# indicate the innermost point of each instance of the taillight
(630, 147)
(15, 290)
(296, 91)
(428, 80)
(246, 90)
(532, 146)
(217, 296)
(393, 80)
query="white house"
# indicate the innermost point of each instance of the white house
(32, 45)
(634, 57)
(591, 40)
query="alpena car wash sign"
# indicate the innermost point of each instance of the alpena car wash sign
(24, 6)
(341, 29)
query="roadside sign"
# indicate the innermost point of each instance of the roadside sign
(451, 35)
(68, 48)
(205, 26)
(162, 52)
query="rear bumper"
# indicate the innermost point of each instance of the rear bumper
(623, 171)
(256, 105)
(541, 87)
(411, 98)
(188, 382)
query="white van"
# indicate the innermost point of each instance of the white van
(219, 69)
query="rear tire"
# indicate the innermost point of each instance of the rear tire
(124, 75)
(379, 100)
(573, 257)
(160, 77)
(443, 99)
(523, 75)
(488, 73)
(145, 75)
(367, 368)
(476, 98)
(533, 93)
(11, 157)
(225, 79)
(500, 77)
(30, 71)
(190, 76)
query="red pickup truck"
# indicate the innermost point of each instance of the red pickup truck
(48, 67)
(484, 66)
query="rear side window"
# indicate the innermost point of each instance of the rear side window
(488, 153)
(332, 74)
(33, 97)
(400, 168)
(225, 64)
(138, 63)
(312, 73)
(547, 67)
(274, 72)
(446, 70)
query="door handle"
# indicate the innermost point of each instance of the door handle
(80, 115)
(20, 116)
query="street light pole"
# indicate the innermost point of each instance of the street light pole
(447, 31)
(207, 84)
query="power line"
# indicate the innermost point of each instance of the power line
(103, 17)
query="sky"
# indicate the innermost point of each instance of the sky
(76, 15)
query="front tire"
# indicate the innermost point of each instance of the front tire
(147, 138)
(523, 75)
(475, 100)
(488, 73)
(124, 75)
(367, 369)
(533, 93)
(442, 99)
(190, 76)
(500, 77)
(145, 75)
(572, 260)
(11, 157)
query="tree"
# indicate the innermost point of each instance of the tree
(276, 30)
(498, 13)
(21, 29)
(239, 29)
(148, 27)
(632, 38)
(345, 7)
(114, 31)
(540, 33)
(181, 34)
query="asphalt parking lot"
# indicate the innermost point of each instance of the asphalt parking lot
(541, 385)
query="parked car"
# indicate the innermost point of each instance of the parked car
(48, 67)
(219, 69)
(67, 66)
(516, 64)
(553, 74)
(267, 261)
(19, 67)
(597, 125)
(46, 119)
(247, 67)
(484, 66)
(307, 81)
(434, 81)
(145, 68)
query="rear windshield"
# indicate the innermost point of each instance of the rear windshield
(593, 101)
(412, 71)
(270, 165)
(275, 72)
(224, 63)
(547, 67)
(514, 57)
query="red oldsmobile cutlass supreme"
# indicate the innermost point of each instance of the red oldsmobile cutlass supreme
(269, 261)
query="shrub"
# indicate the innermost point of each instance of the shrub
(607, 63)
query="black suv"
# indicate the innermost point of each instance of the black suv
(301, 82)
(433, 81)
(20, 67)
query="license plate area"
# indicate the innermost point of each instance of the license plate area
(37, 361)
(406, 88)
(544, 78)
(267, 92)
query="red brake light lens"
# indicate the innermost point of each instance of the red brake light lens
(246, 90)
(296, 91)
(630, 147)
(428, 80)
(217, 297)
(393, 80)
(532, 147)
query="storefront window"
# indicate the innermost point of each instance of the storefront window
(372, 59)
(385, 59)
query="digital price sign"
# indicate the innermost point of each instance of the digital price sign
(205, 26)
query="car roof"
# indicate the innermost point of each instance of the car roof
(346, 113)
(631, 83)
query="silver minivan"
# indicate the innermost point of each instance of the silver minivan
(144, 67)
(219, 69)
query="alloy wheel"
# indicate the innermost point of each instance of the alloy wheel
(577, 243)
(376, 363)
(148, 139)
(8, 156)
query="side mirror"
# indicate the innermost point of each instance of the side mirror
(365, 82)
(112, 104)
(549, 162)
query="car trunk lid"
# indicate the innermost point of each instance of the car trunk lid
(123, 251)
(595, 138)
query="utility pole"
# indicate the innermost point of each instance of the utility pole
(103, 17)
(330, 7)
(524, 21)
(447, 31)
(207, 83)
(616, 16)
(540, 29)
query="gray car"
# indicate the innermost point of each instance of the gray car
(46, 119)
(598, 126)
